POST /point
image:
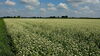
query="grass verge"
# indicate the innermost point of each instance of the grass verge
(5, 49)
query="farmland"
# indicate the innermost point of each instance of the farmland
(54, 37)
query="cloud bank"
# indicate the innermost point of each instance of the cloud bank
(78, 8)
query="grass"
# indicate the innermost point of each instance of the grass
(5, 49)
(54, 37)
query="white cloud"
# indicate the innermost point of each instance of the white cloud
(1, 3)
(29, 7)
(62, 5)
(92, 1)
(32, 2)
(76, 3)
(52, 8)
(10, 3)
(42, 9)
(84, 10)
(84, 1)
(51, 5)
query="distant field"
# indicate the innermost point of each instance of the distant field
(54, 37)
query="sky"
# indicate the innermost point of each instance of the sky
(72, 8)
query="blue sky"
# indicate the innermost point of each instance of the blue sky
(72, 8)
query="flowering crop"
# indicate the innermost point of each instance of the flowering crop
(55, 37)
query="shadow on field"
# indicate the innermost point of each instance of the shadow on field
(6, 44)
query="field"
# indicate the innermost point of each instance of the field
(52, 37)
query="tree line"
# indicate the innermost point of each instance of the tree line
(35, 17)
(56, 17)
